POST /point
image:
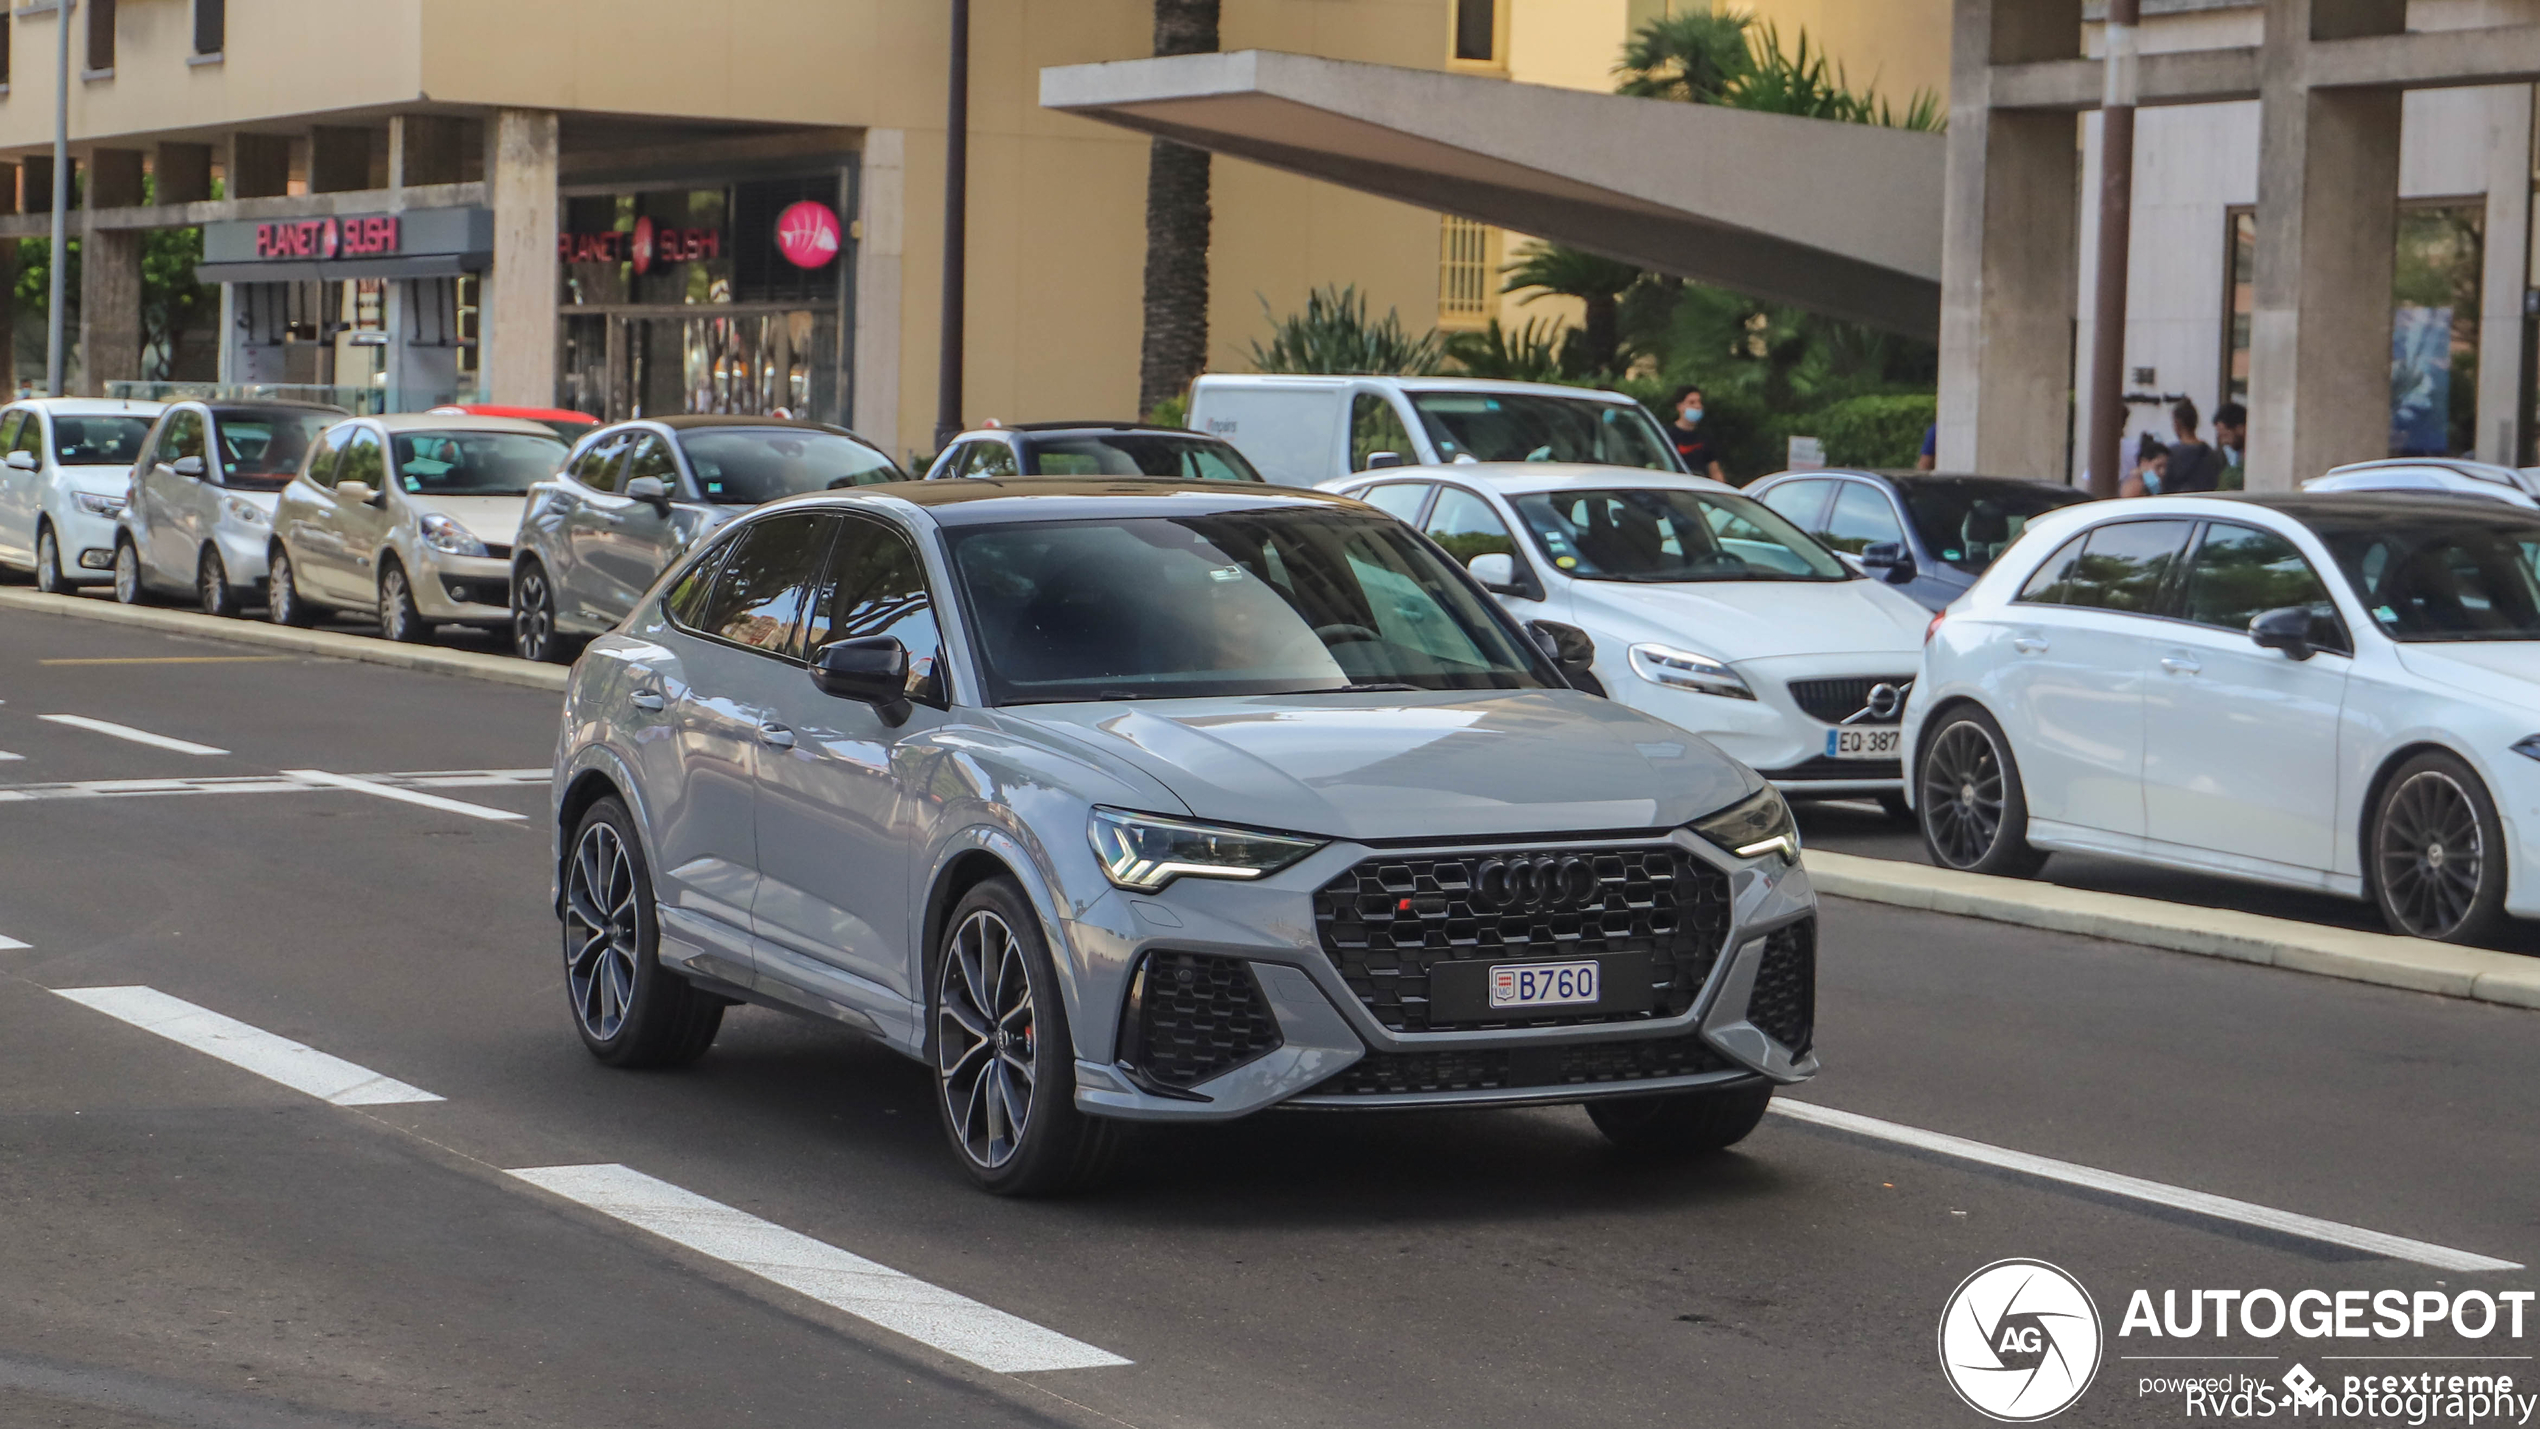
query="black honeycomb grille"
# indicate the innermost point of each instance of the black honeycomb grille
(1388, 922)
(1836, 700)
(1496, 1069)
(1784, 1003)
(1198, 1017)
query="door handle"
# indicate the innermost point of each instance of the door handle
(2029, 644)
(775, 736)
(649, 701)
(2180, 665)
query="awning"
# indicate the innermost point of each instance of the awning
(1842, 219)
(410, 243)
(421, 265)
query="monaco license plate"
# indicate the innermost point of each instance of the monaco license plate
(1543, 985)
(1863, 743)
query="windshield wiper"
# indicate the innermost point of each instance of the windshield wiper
(1377, 687)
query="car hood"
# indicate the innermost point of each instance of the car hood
(1441, 764)
(1754, 620)
(96, 480)
(2506, 670)
(494, 519)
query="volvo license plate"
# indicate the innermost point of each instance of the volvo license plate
(1543, 985)
(1863, 743)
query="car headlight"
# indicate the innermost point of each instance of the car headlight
(1148, 851)
(98, 503)
(1684, 670)
(247, 512)
(1754, 826)
(448, 536)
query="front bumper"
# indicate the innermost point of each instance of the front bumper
(1771, 733)
(463, 590)
(1332, 1052)
(86, 541)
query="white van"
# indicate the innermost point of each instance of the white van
(1305, 431)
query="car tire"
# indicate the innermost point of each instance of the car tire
(49, 576)
(128, 587)
(1973, 806)
(283, 605)
(630, 1010)
(997, 1032)
(399, 619)
(2437, 857)
(534, 634)
(212, 587)
(1682, 1123)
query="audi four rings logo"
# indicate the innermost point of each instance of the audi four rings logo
(1547, 881)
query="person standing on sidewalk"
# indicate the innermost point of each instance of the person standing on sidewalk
(2231, 438)
(1692, 443)
(2192, 465)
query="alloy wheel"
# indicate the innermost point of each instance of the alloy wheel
(48, 563)
(600, 932)
(127, 574)
(983, 1038)
(211, 586)
(533, 618)
(2431, 854)
(1962, 794)
(392, 605)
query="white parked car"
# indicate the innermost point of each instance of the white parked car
(1681, 598)
(62, 484)
(1318, 431)
(2338, 693)
(2454, 475)
(409, 516)
(200, 518)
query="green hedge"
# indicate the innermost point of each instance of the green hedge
(1877, 430)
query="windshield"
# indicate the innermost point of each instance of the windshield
(1528, 427)
(1650, 534)
(444, 463)
(261, 451)
(743, 466)
(1140, 454)
(98, 441)
(1969, 524)
(1257, 603)
(2471, 577)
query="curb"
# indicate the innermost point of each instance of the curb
(2385, 959)
(467, 664)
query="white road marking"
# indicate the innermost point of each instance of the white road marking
(137, 736)
(8, 944)
(6, 756)
(403, 796)
(2134, 1188)
(956, 1324)
(264, 784)
(301, 1068)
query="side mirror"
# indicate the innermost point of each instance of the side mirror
(1888, 560)
(352, 493)
(1571, 649)
(873, 669)
(1382, 459)
(23, 461)
(650, 491)
(1496, 570)
(190, 467)
(2287, 628)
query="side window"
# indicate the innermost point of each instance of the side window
(877, 586)
(1201, 464)
(2124, 563)
(324, 456)
(991, 459)
(182, 437)
(764, 589)
(686, 602)
(598, 467)
(652, 458)
(1398, 499)
(2240, 572)
(363, 461)
(1802, 502)
(9, 428)
(1861, 518)
(2052, 581)
(30, 437)
(1374, 426)
(1466, 526)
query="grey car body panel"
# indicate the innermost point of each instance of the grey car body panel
(1019, 783)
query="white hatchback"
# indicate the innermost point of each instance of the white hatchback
(1681, 598)
(63, 482)
(2338, 693)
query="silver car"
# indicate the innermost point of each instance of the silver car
(64, 479)
(1165, 803)
(409, 516)
(630, 498)
(201, 514)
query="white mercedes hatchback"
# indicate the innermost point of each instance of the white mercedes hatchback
(1681, 598)
(2338, 693)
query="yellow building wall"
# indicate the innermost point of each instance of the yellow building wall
(1893, 46)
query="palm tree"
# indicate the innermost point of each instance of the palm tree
(1175, 348)
(1696, 58)
(1598, 284)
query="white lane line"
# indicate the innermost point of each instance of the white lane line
(6, 756)
(137, 736)
(2135, 1188)
(956, 1324)
(299, 1067)
(403, 796)
(8, 944)
(264, 784)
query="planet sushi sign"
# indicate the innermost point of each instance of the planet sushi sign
(807, 233)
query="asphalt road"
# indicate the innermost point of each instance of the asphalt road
(187, 1242)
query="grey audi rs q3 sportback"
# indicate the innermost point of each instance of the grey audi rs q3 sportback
(1154, 801)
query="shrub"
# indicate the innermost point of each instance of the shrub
(1881, 429)
(1334, 335)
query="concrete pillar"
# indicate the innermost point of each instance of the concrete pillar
(519, 316)
(2502, 374)
(259, 166)
(339, 159)
(2009, 258)
(881, 223)
(182, 173)
(109, 308)
(114, 178)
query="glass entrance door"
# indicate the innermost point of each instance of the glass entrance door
(696, 359)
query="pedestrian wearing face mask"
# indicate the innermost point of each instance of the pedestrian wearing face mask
(1693, 443)
(2231, 438)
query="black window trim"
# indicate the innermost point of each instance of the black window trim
(2165, 597)
(943, 699)
(2174, 605)
(792, 655)
(719, 546)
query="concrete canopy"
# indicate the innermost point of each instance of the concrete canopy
(1841, 219)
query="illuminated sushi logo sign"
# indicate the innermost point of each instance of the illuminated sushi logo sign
(807, 234)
